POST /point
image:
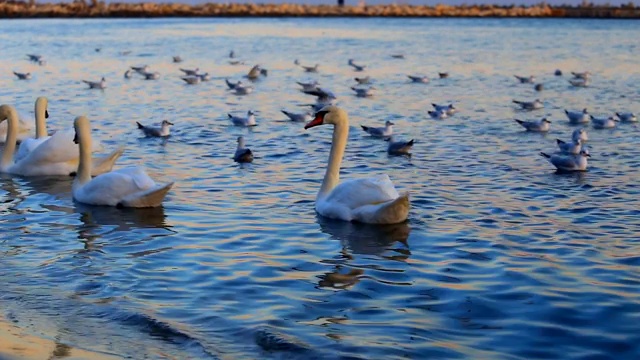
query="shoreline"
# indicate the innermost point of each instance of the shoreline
(10, 9)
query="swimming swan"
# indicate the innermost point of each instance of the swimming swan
(127, 187)
(45, 159)
(370, 200)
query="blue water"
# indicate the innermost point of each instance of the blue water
(501, 257)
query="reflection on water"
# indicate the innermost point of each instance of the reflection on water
(501, 257)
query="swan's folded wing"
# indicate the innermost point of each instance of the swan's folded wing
(110, 188)
(59, 147)
(27, 146)
(359, 192)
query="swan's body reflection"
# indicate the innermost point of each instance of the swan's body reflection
(357, 238)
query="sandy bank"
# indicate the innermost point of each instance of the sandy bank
(94, 8)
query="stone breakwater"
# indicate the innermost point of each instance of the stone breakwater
(84, 9)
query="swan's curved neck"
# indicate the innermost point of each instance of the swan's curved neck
(339, 142)
(10, 143)
(41, 121)
(84, 166)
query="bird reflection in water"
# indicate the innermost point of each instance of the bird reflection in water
(363, 239)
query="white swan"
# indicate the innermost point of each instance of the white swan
(370, 200)
(128, 187)
(49, 158)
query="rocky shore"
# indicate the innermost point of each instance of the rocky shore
(94, 8)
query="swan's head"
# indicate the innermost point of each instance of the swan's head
(328, 115)
(166, 123)
(42, 104)
(80, 125)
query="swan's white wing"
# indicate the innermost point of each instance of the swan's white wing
(58, 148)
(360, 192)
(27, 146)
(112, 187)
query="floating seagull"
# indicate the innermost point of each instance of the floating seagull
(438, 114)
(583, 75)
(35, 58)
(191, 80)
(162, 131)
(190, 72)
(569, 162)
(558, 72)
(177, 59)
(364, 92)
(255, 72)
(322, 94)
(580, 82)
(572, 147)
(308, 116)
(151, 75)
(449, 109)
(128, 74)
(579, 134)
(385, 131)
(204, 77)
(236, 62)
(96, 85)
(310, 86)
(363, 81)
(231, 85)
(418, 79)
(604, 123)
(355, 66)
(250, 120)
(536, 126)
(526, 79)
(538, 87)
(397, 56)
(530, 105)
(22, 76)
(243, 154)
(443, 75)
(241, 89)
(140, 69)
(399, 147)
(309, 68)
(627, 117)
(578, 117)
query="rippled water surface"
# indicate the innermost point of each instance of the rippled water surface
(501, 257)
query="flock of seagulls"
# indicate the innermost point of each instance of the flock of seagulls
(370, 200)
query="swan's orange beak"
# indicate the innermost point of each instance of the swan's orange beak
(319, 119)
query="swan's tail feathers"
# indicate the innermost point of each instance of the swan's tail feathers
(560, 142)
(545, 155)
(104, 164)
(140, 126)
(149, 198)
(394, 211)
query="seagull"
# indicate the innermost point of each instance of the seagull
(627, 117)
(236, 62)
(190, 72)
(241, 89)
(558, 72)
(355, 66)
(604, 123)
(538, 87)
(322, 94)
(35, 58)
(397, 56)
(530, 105)
(191, 80)
(572, 147)
(536, 126)
(255, 72)
(385, 131)
(419, 79)
(250, 120)
(151, 75)
(312, 69)
(363, 81)
(364, 92)
(162, 131)
(449, 109)
(443, 75)
(96, 85)
(128, 74)
(438, 114)
(243, 154)
(140, 69)
(580, 82)
(399, 147)
(204, 77)
(578, 117)
(583, 75)
(579, 134)
(310, 86)
(22, 76)
(177, 59)
(308, 116)
(231, 85)
(569, 162)
(526, 79)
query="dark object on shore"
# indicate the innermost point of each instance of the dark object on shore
(443, 75)
(539, 87)
(558, 73)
